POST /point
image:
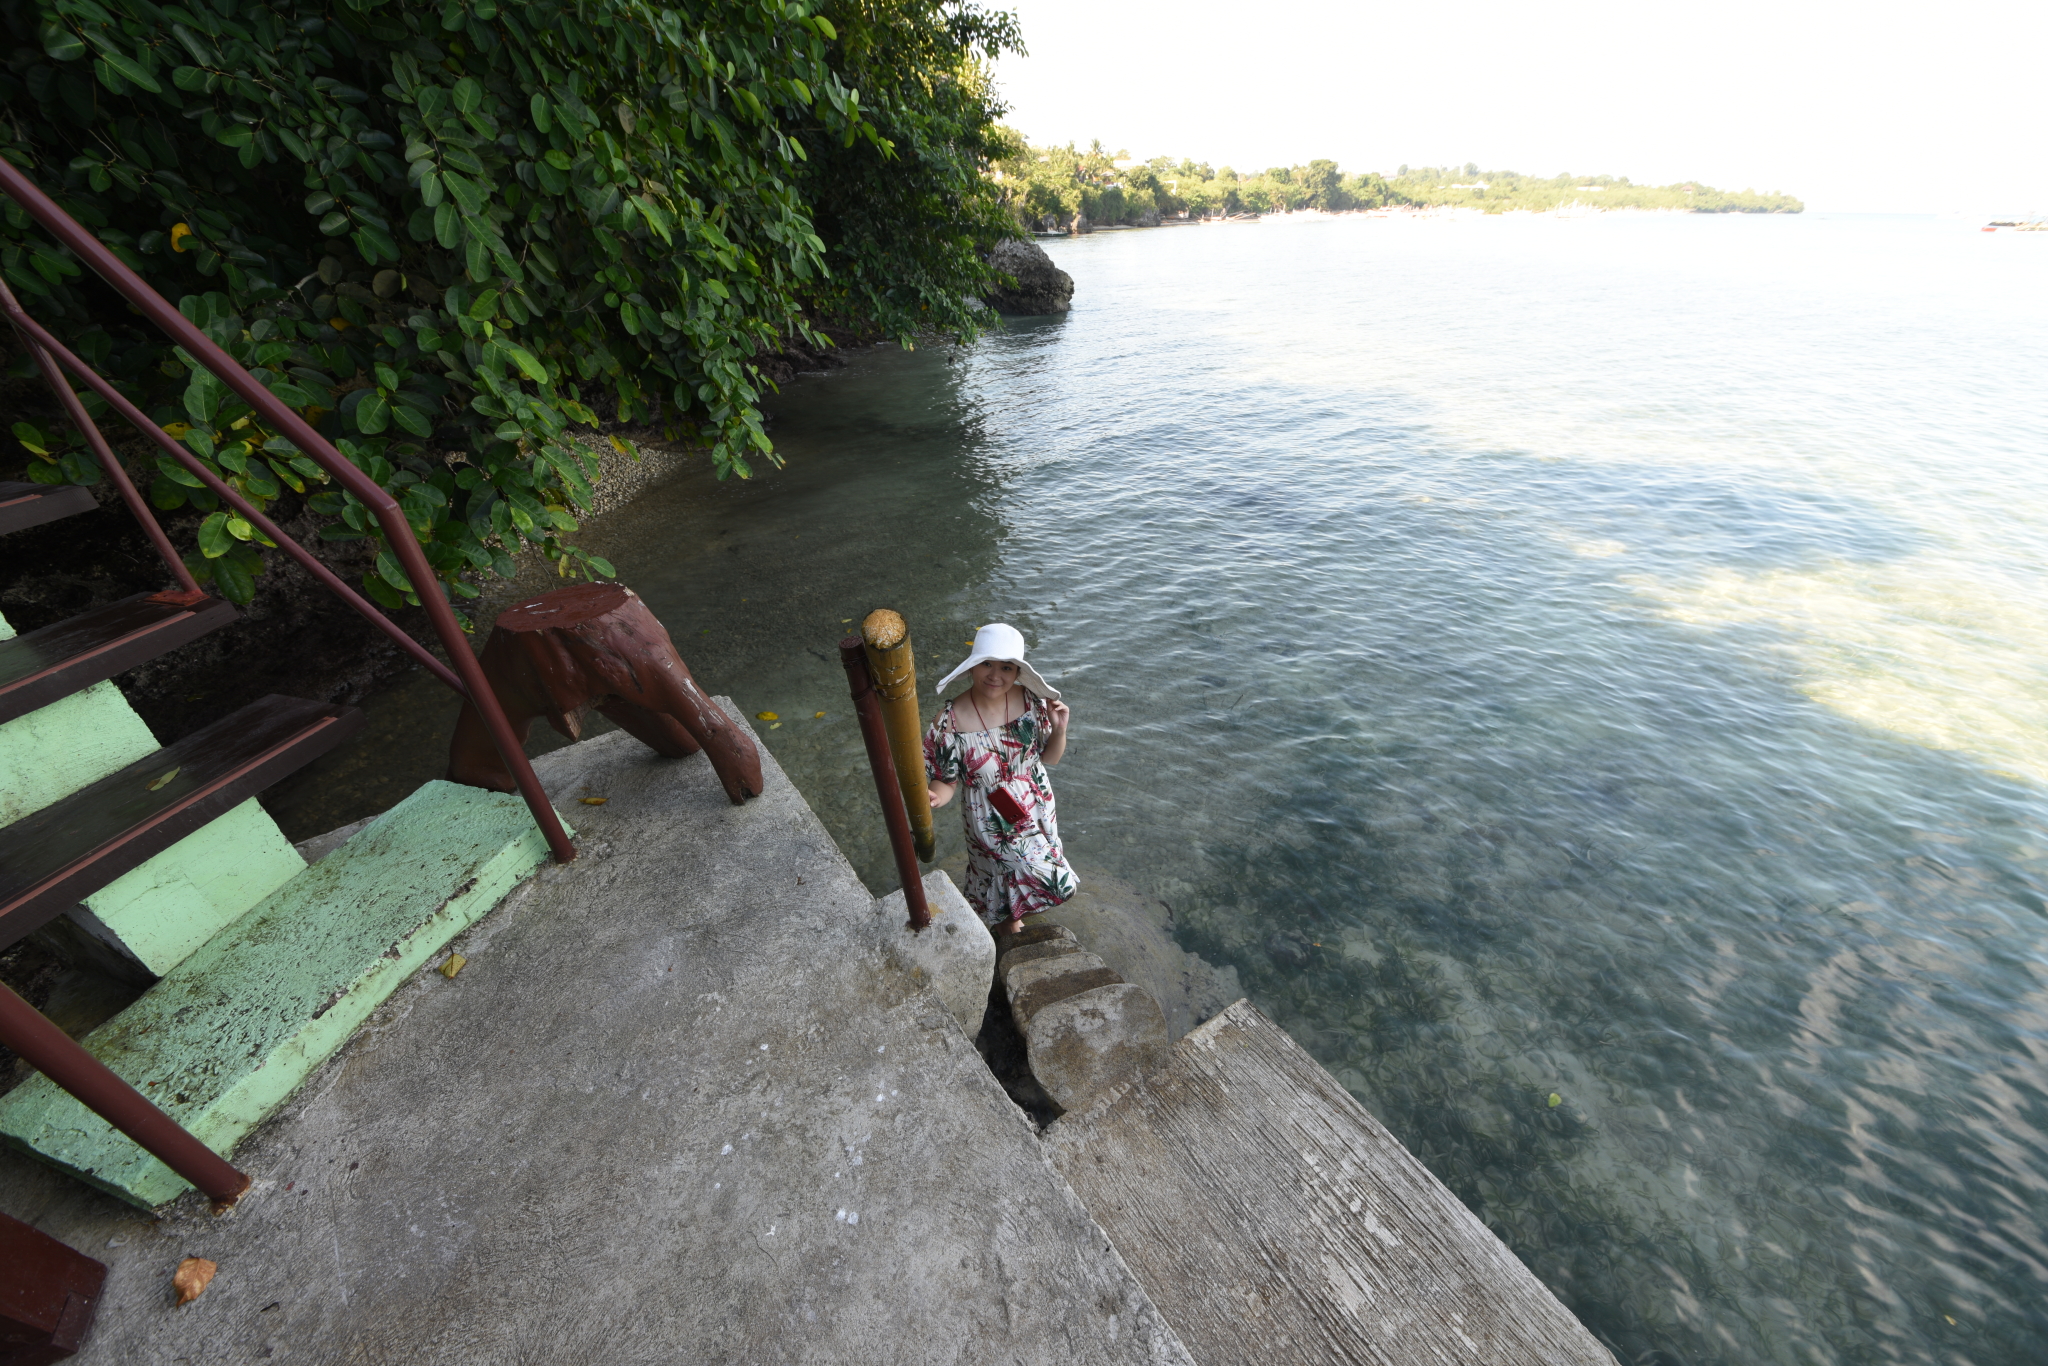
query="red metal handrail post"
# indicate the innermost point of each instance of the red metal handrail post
(58, 1056)
(397, 531)
(110, 462)
(869, 709)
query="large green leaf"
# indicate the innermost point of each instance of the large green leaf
(214, 540)
(130, 70)
(235, 575)
(61, 43)
(373, 414)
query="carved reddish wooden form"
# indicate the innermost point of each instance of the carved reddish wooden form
(597, 645)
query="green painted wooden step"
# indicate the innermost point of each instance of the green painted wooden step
(230, 1033)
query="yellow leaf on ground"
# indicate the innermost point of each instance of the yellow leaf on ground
(159, 783)
(818, 716)
(192, 1277)
(593, 801)
(766, 716)
(1555, 1100)
(452, 966)
(776, 726)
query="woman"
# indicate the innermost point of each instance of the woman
(997, 739)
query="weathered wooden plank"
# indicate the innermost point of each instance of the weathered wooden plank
(52, 858)
(1274, 1220)
(70, 656)
(25, 505)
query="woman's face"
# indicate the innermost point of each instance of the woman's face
(994, 677)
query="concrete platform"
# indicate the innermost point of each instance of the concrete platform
(676, 1108)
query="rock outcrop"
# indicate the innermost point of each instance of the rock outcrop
(1041, 287)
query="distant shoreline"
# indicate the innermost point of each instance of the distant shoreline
(1436, 211)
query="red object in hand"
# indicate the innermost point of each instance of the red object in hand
(1008, 807)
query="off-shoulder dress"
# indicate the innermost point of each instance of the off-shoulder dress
(1013, 868)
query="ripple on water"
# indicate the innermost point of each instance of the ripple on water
(1599, 660)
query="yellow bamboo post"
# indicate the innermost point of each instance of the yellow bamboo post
(887, 639)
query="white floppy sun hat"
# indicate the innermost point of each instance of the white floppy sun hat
(997, 641)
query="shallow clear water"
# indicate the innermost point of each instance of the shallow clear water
(1599, 659)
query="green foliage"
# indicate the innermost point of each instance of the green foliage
(908, 215)
(1051, 187)
(1057, 188)
(449, 235)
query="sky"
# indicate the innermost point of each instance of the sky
(1866, 107)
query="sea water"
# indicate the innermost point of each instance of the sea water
(1586, 676)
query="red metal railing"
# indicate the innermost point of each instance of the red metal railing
(57, 1056)
(467, 679)
(48, 1048)
(860, 681)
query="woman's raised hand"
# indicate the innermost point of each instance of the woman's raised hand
(1056, 743)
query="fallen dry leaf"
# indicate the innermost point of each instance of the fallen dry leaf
(161, 781)
(452, 966)
(192, 1277)
(766, 716)
(593, 801)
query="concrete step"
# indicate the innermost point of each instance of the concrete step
(232, 1031)
(679, 1107)
(1273, 1219)
(140, 923)
(955, 955)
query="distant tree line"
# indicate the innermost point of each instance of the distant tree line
(1500, 191)
(1066, 189)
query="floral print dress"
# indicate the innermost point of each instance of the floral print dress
(1013, 868)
